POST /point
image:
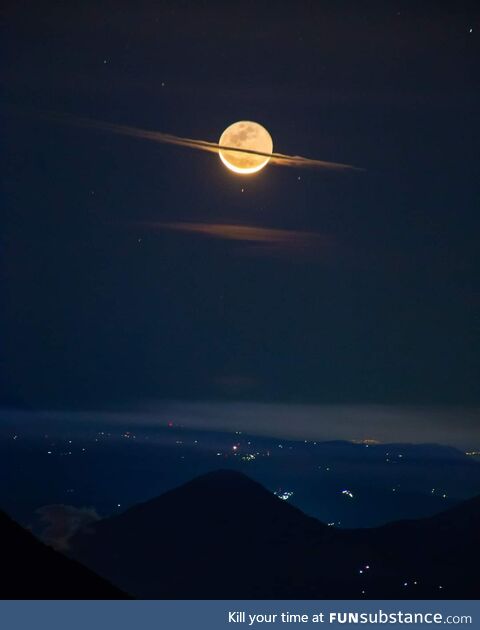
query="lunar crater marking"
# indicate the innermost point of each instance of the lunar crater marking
(250, 136)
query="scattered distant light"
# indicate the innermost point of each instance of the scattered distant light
(284, 495)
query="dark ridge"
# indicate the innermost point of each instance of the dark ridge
(32, 570)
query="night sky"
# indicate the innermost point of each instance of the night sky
(369, 296)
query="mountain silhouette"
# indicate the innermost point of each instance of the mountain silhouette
(225, 536)
(32, 570)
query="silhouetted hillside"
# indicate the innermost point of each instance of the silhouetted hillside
(220, 535)
(225, 536)
(31, 570)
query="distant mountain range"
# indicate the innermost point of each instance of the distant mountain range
(31, 570)
(225, 536)
(389, 482)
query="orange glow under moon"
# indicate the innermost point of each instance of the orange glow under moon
(245, 134)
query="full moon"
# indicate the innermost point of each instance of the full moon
(245, 135)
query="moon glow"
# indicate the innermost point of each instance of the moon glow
(248, 135)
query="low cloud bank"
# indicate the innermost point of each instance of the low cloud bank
(451, 426)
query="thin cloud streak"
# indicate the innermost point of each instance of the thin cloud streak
(278, 159)
(245, 233)
(257, 241)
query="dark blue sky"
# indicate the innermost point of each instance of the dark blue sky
(377, 303)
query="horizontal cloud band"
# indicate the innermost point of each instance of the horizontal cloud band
(279, 159)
